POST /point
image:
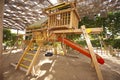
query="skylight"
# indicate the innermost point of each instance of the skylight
(53, 1)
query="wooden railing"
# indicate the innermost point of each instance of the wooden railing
(60, 19)
(66, 18)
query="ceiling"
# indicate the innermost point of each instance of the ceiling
(19, 14)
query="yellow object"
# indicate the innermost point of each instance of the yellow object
(30, 54)
(88, 30)
(27, 59)
(24, 66)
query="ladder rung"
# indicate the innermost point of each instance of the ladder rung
(24, 66)
(27, 59)
(31, 54)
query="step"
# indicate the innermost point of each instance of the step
(25, 66)
(30, 54)
(27, 59)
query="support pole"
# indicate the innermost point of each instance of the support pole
(64, 46)
(93, 57)
(1, 35)
(55, 48)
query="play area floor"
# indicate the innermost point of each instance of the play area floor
(72, 66)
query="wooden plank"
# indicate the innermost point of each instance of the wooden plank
(28, 34)
(67, 18)
(57, 6)
(27, 59)
(59, 27)
(76, 12)
(56, 20)
(63, 18)
(98, 71)
(35, 30)
(77, 22)
(25, 66)
(31, 54)
(63, 11)
(58, 16)
(73, 4)
(64, 46)
(49, 21)
(71, 19)
(55, 47)
(78, 31)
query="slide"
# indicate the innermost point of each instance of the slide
(80, 49)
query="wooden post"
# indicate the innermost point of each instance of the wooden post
(111, 50)
(55, 48)
(64, 46)
(71, 19)
(64, 49)
(1, 35)
(93, 57)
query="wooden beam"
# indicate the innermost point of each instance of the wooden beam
(28, 34)
(78, 31)
(36, 30)
(91, 50)
(57, 6)
(63, 11)
(71, 19)
(1, 35)
(64, 46)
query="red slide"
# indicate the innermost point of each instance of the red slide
(80, 49)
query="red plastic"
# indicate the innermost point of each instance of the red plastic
(80, 49)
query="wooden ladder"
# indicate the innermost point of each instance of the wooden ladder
(29, 57)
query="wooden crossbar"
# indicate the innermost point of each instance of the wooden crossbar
(78, 31)
(57, 6)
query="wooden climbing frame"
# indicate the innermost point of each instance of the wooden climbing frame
(62, 20)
